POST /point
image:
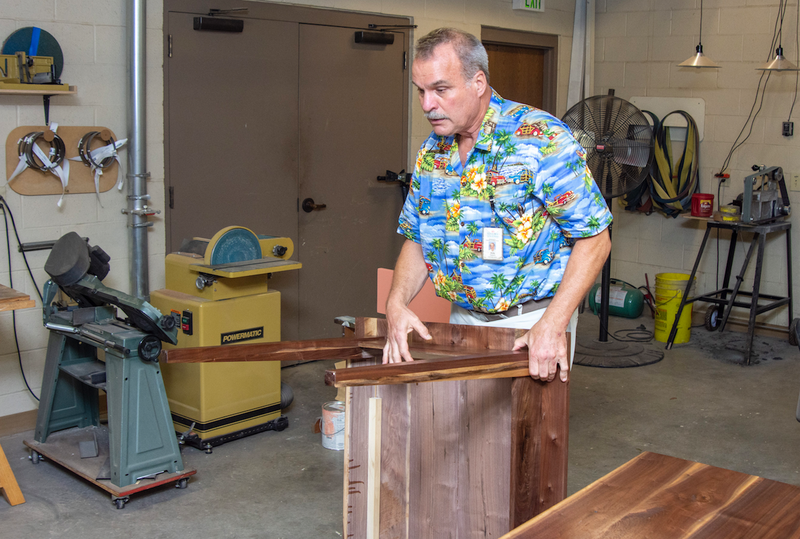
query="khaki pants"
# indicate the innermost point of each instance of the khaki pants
(525, 321)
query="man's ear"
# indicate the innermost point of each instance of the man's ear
(481, 85)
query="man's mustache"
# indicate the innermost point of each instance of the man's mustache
(436, 116)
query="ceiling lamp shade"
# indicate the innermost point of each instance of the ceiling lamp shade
(699, 60)
(779, 63)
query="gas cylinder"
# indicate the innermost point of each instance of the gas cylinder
(623, 300)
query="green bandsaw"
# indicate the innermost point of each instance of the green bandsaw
(92, 348)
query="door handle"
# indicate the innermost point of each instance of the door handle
(309, 206)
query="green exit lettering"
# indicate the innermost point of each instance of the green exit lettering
(528, 5)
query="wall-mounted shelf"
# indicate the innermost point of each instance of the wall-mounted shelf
(72, 90)
(46, 95)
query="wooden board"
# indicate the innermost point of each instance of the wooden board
(470, 458)
(11, 300)
(81, 177)
(666, 497)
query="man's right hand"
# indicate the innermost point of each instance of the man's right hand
(402, 321)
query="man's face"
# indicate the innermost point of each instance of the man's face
(451, 104)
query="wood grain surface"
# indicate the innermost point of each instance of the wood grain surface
(332, 349)
(454, 450)
(11, 300)
(665, 497)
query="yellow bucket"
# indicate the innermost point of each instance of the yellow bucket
(669, 292)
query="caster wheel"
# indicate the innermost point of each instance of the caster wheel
(35, 457)
(281, 423)
(119, 503)
(713, 319)
(794, 332)
(208, 449)
(182, 483)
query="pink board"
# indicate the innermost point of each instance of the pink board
(427, 305)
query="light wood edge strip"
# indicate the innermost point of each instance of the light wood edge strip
(17, 303)
(374, 469)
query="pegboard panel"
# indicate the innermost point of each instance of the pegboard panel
(81, 178)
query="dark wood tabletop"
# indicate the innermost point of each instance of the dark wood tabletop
(657, 496)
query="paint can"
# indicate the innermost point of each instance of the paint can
(333, 425)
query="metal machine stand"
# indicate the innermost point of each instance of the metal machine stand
(717, 317)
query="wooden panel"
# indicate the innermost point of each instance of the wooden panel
(485, 457)
(506, 365)
(539, 442)
(335, 349)
(394, 457)
(660, 496)
(81, 177)
(447, 446)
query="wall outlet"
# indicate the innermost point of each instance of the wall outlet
(788, 129)
(794, 181)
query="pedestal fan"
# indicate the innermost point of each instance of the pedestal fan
(618, 141)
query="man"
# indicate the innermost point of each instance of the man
(503, 172)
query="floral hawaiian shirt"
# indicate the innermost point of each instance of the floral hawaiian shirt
(527, 177)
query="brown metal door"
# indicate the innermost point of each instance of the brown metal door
(231, 132)
(353, 114)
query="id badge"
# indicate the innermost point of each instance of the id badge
(492, 243)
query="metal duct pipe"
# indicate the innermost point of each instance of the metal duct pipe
(137, 154)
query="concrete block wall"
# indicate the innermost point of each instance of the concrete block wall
(638, 46)
(93, 37)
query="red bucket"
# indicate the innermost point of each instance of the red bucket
(702, 205)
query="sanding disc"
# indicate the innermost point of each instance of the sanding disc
(34, 41)
(236, 244)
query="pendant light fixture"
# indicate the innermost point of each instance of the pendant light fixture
(699, 59)
(779, 63)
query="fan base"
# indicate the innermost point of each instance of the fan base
(615, 354)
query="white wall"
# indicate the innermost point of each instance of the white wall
(92, 35)
(638, 46)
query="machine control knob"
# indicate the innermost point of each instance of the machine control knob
(149, 348)
(279, 250)
(203, 281)
(309, 206)
(168, 322)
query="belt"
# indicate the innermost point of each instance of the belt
(516, 310)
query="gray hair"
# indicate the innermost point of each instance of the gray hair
(468, 48)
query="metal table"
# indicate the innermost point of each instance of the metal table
(721, 297)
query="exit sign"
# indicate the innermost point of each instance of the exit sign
(528, 5)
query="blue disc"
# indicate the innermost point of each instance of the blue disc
(34, 41)
(236, 245)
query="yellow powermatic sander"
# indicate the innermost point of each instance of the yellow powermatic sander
(219, 289)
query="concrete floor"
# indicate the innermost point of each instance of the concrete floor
(697, 404)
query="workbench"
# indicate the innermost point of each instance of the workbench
(660, 496)
(11, 300)
(725, 297)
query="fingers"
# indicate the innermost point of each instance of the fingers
(546, 354)
(401, 323)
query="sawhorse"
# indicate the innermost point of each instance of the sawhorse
(8, 483)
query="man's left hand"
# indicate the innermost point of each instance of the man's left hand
(547, 349)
